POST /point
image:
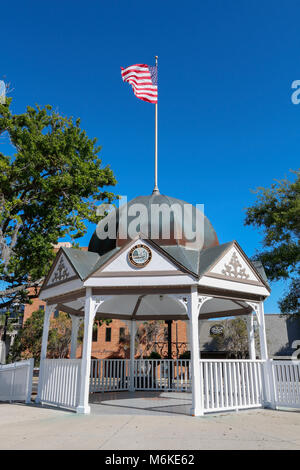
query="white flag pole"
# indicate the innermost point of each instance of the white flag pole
(155, 190)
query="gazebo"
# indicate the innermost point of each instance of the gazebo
(162, 277)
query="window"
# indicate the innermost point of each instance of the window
(42, 307)
(122, 334)
(56, 313)
(95, 334)
(108, 334)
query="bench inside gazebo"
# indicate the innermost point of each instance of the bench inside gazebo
(140, 279)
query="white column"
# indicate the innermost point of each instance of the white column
(262, 332)
(200, 324)
(188, 334)
(133, 328)
(251, 337)
(197, 385)
(74, 335)
(89, 315)
(268, 382)
(49, 309)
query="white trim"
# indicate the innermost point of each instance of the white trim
(155, 281)
(233, 286)
(65, 288)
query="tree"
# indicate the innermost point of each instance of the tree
(149, 336)
(234, 339)
(277, 213)
(49, 187)
(29, 339)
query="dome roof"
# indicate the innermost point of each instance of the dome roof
(141, 215)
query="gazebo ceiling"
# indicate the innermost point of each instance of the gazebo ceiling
(157, 307)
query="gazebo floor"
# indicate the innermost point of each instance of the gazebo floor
(141, 403)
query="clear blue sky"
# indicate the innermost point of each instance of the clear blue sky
(226, 120)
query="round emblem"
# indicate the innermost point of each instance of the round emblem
(217, 330)
(140, 256)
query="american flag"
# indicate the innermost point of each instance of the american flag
(143, 79)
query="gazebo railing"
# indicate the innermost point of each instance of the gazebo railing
(231, 384)
(60, 382)
(162, 374)
(286, 379)
(227, 384)
(109, 375)
(148, 374)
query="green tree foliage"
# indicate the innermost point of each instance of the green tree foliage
(49, 187)
(277, 213)
(234, 339)
(28, 342)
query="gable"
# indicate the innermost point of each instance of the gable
(62, 271)
(234, 266)
(120, 263)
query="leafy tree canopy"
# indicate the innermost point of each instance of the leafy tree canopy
(28, 342)
(277, 213)
(234, 339)
(49, 187)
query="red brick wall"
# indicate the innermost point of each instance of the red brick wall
(29, 309)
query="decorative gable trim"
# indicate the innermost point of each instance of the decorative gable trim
(234, 265)
(234, 268)
(61, 271)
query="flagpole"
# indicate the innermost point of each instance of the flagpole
(155, 190)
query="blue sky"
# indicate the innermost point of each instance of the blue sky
(226, 121)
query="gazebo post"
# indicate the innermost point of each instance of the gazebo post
(84, 387)
(133, 328)
(74, 335)
(197, 385)
(200, 324)
(49, 309)
(251, 336)
(262, 332)
(269, 390)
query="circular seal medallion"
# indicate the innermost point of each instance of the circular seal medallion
(216, 330)
(140, 256)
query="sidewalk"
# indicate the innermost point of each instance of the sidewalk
(113, 427)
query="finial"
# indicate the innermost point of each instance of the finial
(155, 191)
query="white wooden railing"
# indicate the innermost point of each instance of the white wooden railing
(16, 381)
(148, 374)
(109, 374)
(231, 384)
(162, 374)
(286, 377)
(227, 384)
(60, 382)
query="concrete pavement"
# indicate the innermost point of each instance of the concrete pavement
(123, 424)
